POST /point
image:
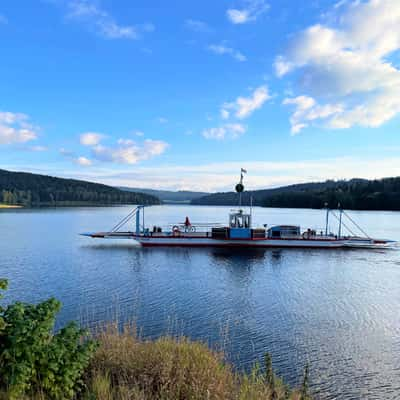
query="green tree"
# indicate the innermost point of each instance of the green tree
(34, 359)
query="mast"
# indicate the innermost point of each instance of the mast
(240, 187)
(340, 220)
(137, 221)
(251, 211)
(138, 210)
(327, 219)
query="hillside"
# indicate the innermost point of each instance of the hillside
(259, 196)
(356, 194)
(168, 196)
(33, 190)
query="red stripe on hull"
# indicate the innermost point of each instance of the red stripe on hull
(225, 245)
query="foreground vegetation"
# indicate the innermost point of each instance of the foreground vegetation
(125, 367)
(33, 190)
(9, 206)
(37, 364)
(356, 194)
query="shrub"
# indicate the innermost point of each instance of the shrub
(33, 359)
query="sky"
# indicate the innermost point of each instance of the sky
(182, 94)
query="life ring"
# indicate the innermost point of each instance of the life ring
(175, 230)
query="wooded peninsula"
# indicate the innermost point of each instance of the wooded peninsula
(33, 190)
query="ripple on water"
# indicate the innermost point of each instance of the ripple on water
(337, 311)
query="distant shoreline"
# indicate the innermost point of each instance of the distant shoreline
(65, 204)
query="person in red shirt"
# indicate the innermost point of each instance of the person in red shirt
(187, 222)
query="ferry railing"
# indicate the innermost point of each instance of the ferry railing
(124, 220)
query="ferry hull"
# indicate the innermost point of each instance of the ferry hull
(263, 243)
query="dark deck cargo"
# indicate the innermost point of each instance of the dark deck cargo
(258, 233)
(220, 233)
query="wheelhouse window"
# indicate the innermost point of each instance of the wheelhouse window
(239, 220)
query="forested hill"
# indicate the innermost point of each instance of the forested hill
(356, 194)
(33, 190)
(169, 196)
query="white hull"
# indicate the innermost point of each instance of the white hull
(260, 243)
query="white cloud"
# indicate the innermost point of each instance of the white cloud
(153, 148)
(101, 22)
(79, 160)
(38, 148)
(16, 128)
(128, 152)
(349, 64)
(225, 114)
(245, 106)
(307, 110)
(125, 142)
(83, 161)
(251, 10)
(90, 138)
(232, 131)
(341, 3)
(138, 133)
(282, 66)
(197, 25)
(241, 108)
(221, 49)
(162, 120)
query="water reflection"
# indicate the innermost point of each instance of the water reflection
(337, 310)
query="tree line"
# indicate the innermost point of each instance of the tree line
(356, 194)
(33, 190)
(383, 194)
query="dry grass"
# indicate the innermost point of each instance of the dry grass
(9, 206)
(126, 367)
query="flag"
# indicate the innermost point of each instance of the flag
(243, 170)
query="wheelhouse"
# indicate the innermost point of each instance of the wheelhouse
(240, 220)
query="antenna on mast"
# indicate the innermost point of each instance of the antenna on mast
(240, 187)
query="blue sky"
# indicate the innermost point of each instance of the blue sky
(181, 94)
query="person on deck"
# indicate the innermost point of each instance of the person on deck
(187, 223)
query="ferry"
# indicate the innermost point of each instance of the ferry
(240, 233)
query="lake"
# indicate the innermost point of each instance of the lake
(338, 310)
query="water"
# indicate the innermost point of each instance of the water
(337, 310)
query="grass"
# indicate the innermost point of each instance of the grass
(9, 206)
(126, 367)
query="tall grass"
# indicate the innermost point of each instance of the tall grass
(127, 367)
